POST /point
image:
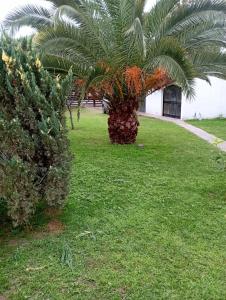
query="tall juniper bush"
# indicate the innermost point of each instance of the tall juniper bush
(34, 150)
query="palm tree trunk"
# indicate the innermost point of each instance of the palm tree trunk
(123, 122)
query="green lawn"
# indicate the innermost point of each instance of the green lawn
(141, 223)
(216, 126)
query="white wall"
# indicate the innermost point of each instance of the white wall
(209, 102)
(154, 103)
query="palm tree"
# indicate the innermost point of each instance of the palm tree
(124, 52)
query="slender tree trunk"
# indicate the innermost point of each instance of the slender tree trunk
(71, 117)
(123, 122)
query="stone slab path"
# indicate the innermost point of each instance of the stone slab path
(212, 139)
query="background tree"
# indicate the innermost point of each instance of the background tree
(34, 153)
(125, 52)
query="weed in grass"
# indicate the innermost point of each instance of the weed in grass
(67, 256)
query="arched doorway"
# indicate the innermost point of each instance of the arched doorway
(172, 96)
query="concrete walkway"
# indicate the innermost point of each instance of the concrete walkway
(212, 139)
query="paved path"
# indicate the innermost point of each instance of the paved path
(212, 139)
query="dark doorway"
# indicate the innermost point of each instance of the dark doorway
(172, 101)
(142, 106)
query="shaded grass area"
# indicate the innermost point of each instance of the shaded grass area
(216, 127)
(141, 223)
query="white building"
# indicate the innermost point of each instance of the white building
(209, 102)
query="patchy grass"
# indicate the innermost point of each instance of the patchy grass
(216, 127)
(140, 223)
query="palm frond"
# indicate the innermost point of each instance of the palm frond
(186, 15)
(158, 14)
(59, 3)
(31, 15)
(211, 63)
(137, 40)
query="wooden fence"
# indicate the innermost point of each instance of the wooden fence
(73, 102)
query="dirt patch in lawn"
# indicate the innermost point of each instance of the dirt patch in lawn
(17, 242)
(122, 292)
(55, 227)
(87, 282)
